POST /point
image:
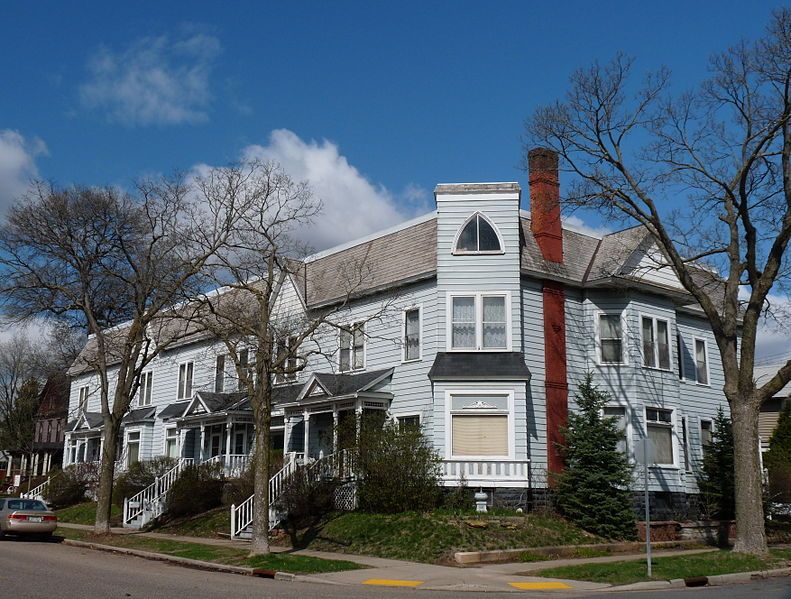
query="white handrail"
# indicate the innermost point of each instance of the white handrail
(37, 491)
(150, 502)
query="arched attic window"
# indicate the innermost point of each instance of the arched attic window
(478, 236)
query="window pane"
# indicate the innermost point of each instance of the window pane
(611, 351)
(408, 422)
(463, 336)
(188, 385)
(494, 309)
(487, 237)
(463, 309)
(344, 359)
(412, 335)
(219, 375)
(468, 239)
(610, 326)
(619, 413)
(662, 439)
(663, 344)
(480, 435)
(705, 432)
(648, 342)
(701, 367)
(494, 336)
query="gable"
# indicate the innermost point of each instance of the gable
(288, 303)
(649, 264)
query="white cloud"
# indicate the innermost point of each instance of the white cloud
(773, 342)
(155, 81)
(353, 206)
(576, 222)
(17, 164)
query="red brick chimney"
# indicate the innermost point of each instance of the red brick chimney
(546, 227)
(545, 203)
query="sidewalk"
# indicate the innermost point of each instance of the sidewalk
(397, 573)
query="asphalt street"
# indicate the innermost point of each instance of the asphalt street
(47, 570)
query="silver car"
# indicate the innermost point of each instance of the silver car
(26, 517)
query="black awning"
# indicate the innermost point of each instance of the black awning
(479, 366)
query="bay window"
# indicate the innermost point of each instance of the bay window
(479, 425)
(171, 443)
(659, 428)
(611, 339)
(132, 447)
(479, 321)
(352, 348)
(656, 345)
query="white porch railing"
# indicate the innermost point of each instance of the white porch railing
(38, 491)
(233, 465)
(242, 514)
(512, 473)
(150, 502)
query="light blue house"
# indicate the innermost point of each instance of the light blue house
(494, 317)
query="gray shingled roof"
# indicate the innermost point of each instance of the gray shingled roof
(174, 410)
(381, 263)
(479, 365)
(347, 383)
(578, 250)
(139, 415)
(94, 419)
(216, 402)
(613, 252)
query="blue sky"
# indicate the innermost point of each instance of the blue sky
(373, 102)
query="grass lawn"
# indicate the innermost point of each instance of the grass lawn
(213, 524)
(297, 564)
(667, 568)
(85, 513)
(435, 537)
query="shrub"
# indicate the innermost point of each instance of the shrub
(399, 470)
(138, 476)
(306, 498)
(460, 497)
(198, 489)
(67, 487)
(716, 479)
(593, 490)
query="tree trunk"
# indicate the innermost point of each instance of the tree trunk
(750, 534)
(260, 540)
(106, 476)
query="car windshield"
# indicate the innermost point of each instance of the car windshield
(26, 504)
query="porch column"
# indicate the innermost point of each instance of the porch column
(101, 448)
(202, 453)
(47, 462)
(335, 420)
(35, 464)
(358, 419)
(228, 425)
(180, 441)
(286, 433)
(10, 464)
(23, 463)
(306, 420)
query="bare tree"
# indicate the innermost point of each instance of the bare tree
(708, 174)
(111, 263)
(268, 338)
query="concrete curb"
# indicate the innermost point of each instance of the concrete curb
(183, 561)
(702, 581)
(504, 555)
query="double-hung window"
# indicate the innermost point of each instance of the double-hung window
(144, 392)
(83, 398)
(479, 425)
(185, 380)
(701, 362)
(611, 339)
(479, 321)
(287, 359)
(659, 428)
(705, 433)
(171, 442)
(619, 414)
(132, 447)
(656, 345)
(219, 374)
(352, 348)
(411, 334)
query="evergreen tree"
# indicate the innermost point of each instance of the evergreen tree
(716, 480)
(593, 490)
(778, 458)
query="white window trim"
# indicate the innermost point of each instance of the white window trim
(140, 403)
(701, 420)
(673, 434)
(654, 320)
(419, 308)
(178, 380)
(418, 415)
(139, 442)
(478, 295)
(350, 327)
(83, 406)
(628, 417)
(499, 252)
(165, 439)
(449, 413)
(624, 347)
(224, 373)
(695, 360)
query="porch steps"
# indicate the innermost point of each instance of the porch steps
(149, 503)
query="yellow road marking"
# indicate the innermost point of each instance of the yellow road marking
(386, 582)
(539, 586)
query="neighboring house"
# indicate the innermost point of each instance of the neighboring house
(770, 410)
(500, 314)
(50, 426)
